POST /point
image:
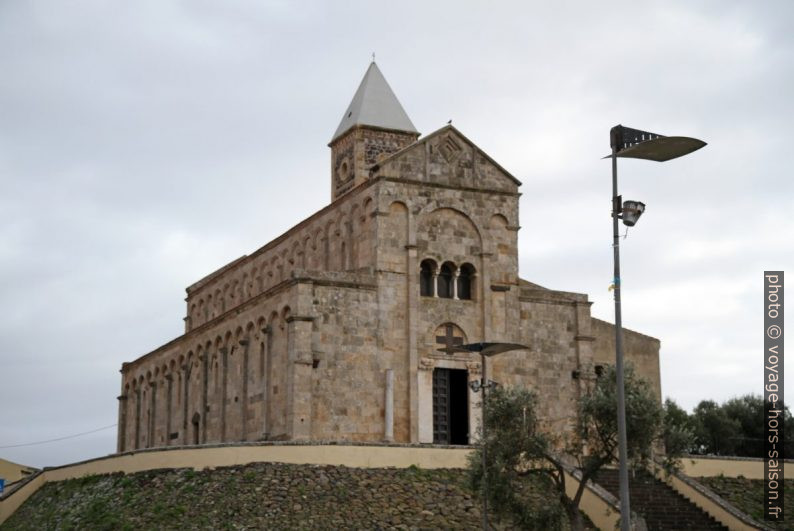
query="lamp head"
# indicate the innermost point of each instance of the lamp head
(636, 144)
(631, 212)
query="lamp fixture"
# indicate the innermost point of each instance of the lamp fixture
(631, 212)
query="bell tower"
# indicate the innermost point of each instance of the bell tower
(373, 127)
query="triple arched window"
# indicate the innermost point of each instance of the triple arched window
(447, 281)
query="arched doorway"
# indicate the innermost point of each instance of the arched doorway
(450, 406)
(450, 390)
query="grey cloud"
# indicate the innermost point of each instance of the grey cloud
(144, 145)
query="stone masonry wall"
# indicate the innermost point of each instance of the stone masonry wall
(346, 397)
(639, 350)
(556, 327)
(353, 154)
(235, 380)
(338, 238)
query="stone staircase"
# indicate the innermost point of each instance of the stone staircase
(661, 506)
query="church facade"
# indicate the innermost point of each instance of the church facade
(332, 331)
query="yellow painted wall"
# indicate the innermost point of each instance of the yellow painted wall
(9, 504)
(13, 471)
(695, 467)
(601, 513)
(200, 458)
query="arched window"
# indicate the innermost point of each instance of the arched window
(445, 280)
(426, 274)
(466, 281)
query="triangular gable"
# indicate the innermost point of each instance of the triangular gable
(449, 146)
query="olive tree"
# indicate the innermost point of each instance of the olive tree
(517, 449)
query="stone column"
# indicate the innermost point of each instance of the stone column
(413, 356)
(205, 363)
(486, 302)
(150, 439)
(435, 283)
(353, 251)
(388, 432)
(185, 396)
(244, 402)
(266, 392)
(326, 250)
(343, 251)
(121, 441)
(224, 386)
(475, 401)
(137, 418)
(455, 275)
(424, 394)
(299, 376)
(169, 406)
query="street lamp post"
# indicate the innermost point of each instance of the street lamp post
(632, 143)
(486, 350)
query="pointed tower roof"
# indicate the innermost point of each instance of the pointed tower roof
(375, 104)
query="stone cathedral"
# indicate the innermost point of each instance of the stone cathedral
(332, 331)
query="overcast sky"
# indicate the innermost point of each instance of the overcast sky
(145, 144)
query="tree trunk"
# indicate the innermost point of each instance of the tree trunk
(575, 517)
(577, 524)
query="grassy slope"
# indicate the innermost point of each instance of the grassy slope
(747, 495)
(263, 495)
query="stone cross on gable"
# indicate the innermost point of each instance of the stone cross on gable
(451, 338)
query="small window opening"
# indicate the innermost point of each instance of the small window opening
(445, 281)
(426, 278)
(465, 280)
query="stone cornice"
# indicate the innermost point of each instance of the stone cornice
(414, 182)
(547, 300)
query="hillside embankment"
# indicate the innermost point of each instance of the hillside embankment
(256, 496)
